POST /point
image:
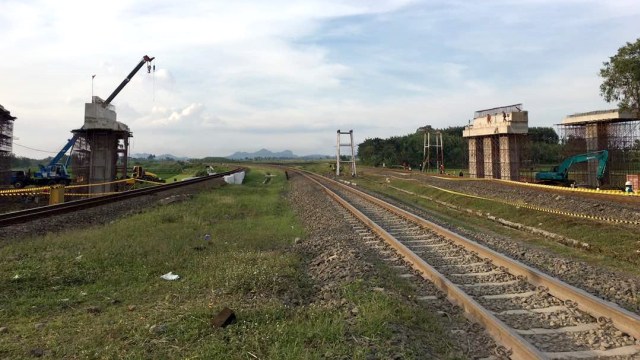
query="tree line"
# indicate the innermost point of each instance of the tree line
(542, 146)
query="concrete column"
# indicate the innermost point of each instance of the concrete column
(479, 158)
(505, 159)
(488, 164)
(514, 151)
(473, 171)
(102, 161)
(509, 158)
(476, 157)
(491, 157)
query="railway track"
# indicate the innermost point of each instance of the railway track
(531, 314)
(18, 217)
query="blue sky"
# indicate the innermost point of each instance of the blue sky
(245, 75)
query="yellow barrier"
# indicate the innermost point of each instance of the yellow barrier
(23, 190)
(44, 190)
(99, 184)
(562, 188)
(537, 208)
(552, 187)
(92, 194)
(56, 195)
(24, 193)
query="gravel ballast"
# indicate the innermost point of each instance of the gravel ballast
(339, 255)
(615, 286)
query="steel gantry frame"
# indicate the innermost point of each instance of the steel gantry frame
(352, 162)
(426, 153)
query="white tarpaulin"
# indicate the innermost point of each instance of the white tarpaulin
(236, 178)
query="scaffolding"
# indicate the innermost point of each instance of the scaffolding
(611, 130)
(352, 162)
(6, 144)
(100, 157)
(504, 156)
(497, 139)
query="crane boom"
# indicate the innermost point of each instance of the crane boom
(64, 150)
(145, 59)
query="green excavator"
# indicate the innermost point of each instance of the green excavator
(559, 175)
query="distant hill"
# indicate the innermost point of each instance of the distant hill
(262, 153)
(239, 155)
(267, 154)
(316, 157)
(159, 157)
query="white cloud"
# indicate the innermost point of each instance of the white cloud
(287, 74)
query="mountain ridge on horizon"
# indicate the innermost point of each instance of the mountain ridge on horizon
(239, 155)
(268, 154)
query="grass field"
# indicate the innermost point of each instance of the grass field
(97, 292)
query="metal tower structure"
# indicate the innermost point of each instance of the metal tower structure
(340, 145)
(426, 153)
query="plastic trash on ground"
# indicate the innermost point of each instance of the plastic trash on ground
(170, 276)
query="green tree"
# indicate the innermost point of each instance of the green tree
(621, 77)
(543, 135)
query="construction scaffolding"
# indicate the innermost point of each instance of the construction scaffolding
(612, 130)
(100, 157)
(497, 138)
(6, 144)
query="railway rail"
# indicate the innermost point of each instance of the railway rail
(531, 314)
(22, 216)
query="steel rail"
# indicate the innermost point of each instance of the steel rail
(22, 216)
(498, 330)
(622, 319)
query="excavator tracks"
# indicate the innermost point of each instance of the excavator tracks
(530, 314)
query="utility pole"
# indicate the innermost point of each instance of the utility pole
(92, 77)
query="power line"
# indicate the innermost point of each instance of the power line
(30, 148)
